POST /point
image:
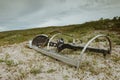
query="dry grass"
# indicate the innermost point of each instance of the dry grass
(18, 62)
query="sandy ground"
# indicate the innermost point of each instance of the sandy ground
(18, 62)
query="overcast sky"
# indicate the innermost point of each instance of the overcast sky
(22, 14)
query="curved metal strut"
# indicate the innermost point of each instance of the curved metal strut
(85, 47)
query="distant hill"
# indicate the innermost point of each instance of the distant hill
(79, 30)
(18, 62)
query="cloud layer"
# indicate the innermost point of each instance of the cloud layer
(22, 14)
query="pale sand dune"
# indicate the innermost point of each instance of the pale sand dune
(17, 62)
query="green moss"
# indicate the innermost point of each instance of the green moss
(116, 58)
(35, 71)
(1, 60)
(9, 62)
(51, 71)
(66, 77)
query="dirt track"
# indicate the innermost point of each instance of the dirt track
(17, 62)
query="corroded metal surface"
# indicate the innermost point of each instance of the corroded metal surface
(68, 60)
(85, 47)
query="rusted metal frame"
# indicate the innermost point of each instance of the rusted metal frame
(68, 60)
(57, 35)
(85, 47)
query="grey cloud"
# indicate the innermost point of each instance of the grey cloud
(20, 14)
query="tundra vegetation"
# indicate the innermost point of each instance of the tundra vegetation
(18, 62)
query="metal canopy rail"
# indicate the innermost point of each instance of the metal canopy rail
(68, 60)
